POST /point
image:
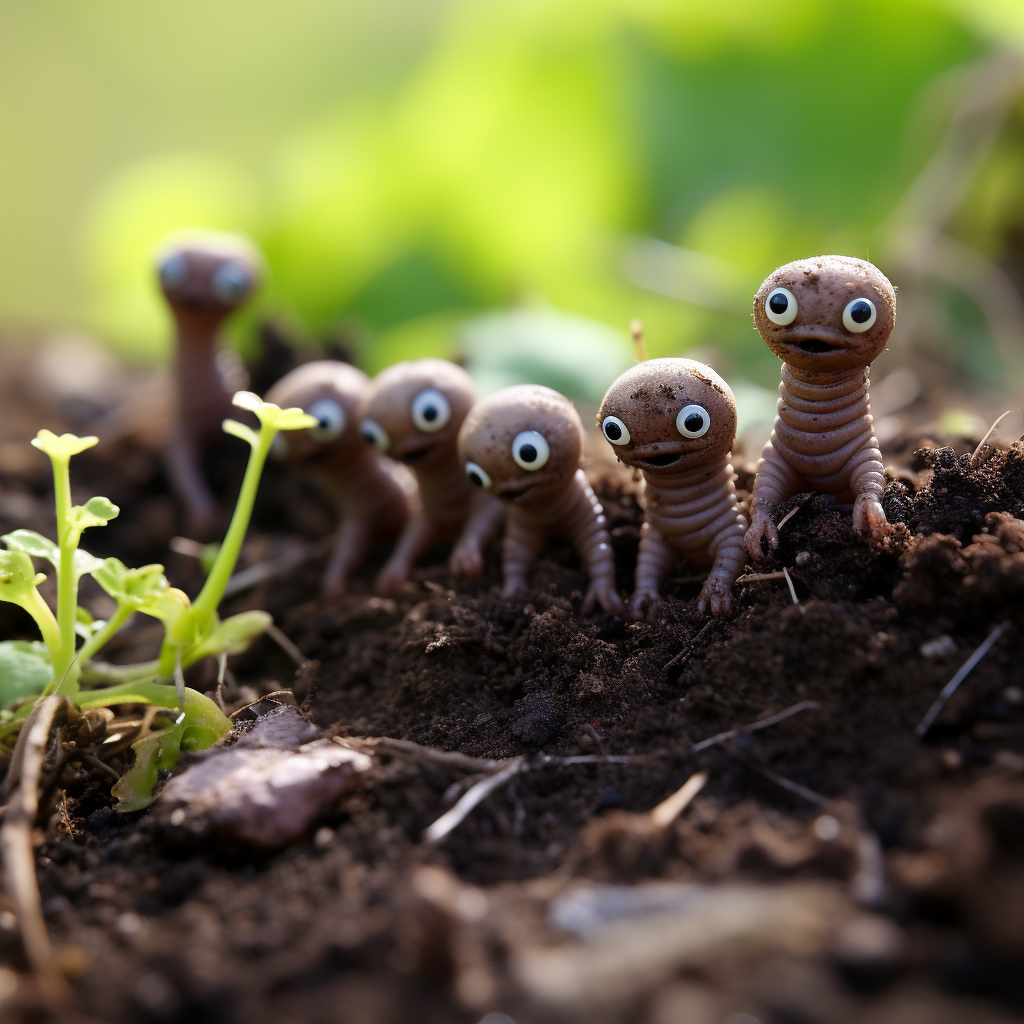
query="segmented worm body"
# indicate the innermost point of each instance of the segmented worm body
(523, 445)
(827, 318)
(413, 412)
(675, 421)
(360, 482)
(204, 279)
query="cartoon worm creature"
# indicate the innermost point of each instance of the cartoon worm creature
(675, 421)
(412, 412)
(827, 318)
(372, 504)
(204, 279)
(523, 444)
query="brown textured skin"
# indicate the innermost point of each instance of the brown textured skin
(450, 508)
(553, 501)
(372, 504)
(823, 439)
(202, 399)
(690, 504)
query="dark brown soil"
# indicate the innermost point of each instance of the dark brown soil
(911, 853)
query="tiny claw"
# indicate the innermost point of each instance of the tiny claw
(390, 582)
(718, 594)
(642, 601)
(761, 527)
(869, 518)
(604, 593)
(466, 560)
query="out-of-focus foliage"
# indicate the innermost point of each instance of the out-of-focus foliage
(454, 159)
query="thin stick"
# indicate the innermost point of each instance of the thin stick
(636, 329)
(981, 443)
(17, 855)
(759, 577)
(442, 758)
(789, 583)
(780, 780)
(722, 737)
(286, 645)
(222, 668)
(789, 515)
(689, 645)
(452, 818)
(668, 810)
(965, 670)
(91, 759)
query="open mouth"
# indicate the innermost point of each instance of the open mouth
(659, 461)
(514, 494)
(815, 345)
(410, 457)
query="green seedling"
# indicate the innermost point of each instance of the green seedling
(192, 629)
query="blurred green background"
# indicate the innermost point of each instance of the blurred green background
(518, 179)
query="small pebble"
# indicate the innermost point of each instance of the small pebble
(1013, 695)
(323, 837)
(129, 924)
(178, 816)
(803, 557)
(827, 828)
(950, 758)
(939, 647)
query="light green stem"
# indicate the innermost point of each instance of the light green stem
(40, 611)
(198, 620)
(67, 597)
(102, 636)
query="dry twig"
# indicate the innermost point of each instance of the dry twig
(454, 817)
(789, 583)
(668, 810)
(965, 670)
(731, 734)
(988, 434)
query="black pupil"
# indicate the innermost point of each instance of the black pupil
(612, 431)
(694, 421)
(528, 453)
(368, 437)
(778, 304)
(861, 312)
(476, 478)
(430, 413)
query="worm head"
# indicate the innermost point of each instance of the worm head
(208, 273)
(331, 392)
(826, 313)
(413, 410)
(665, 416)
(523, 444)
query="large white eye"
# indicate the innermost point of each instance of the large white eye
(615, 430)
(173, 271)
(231, 282)
(859, 315)
(374, 434)
(330, 420)
(478, 475)
(693, 421)
(530, 449)
(430, 411)
(780, 306)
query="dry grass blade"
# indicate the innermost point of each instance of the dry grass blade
(965, 670)
(286, 645)
(731, 734)
(780, 780)
(760, 577)
(688, 646)
(454, 817)
(442, 758)
(16, 849)
(988, 434)
(668, 810)
(789, 583)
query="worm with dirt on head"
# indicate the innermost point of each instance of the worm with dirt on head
(412, 412)
(523, 445)
(205, 277)
(826, 318)
(360, 481)
(675, 420)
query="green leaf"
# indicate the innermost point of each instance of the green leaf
(271, 415)
(17, 577)
(232, 636)
(134, 587)
(95, 512)
(240, 430)
(25, 669)
(160, 750)
(63, 447)
(34, 544)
